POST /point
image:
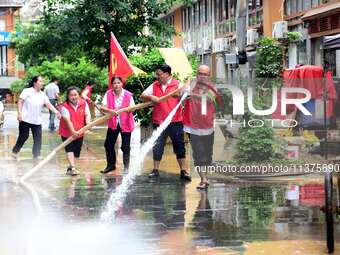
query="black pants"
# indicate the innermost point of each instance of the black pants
(24, 130)
(51, 126)
(110, 141)
(175, 131)
(202, 149)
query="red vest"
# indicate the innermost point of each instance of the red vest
(193, 116)
(89, 92)
(162, 109)
(77, 118)
(127, 123)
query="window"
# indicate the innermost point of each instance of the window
(219, 10)
(206, 10)
(183, 19)
(3, 60)
(189, 18)
(2, 25)
(199, 13)
(288, 7)
(292, 7)
(315, 3)
(307, 4)
(300, 5)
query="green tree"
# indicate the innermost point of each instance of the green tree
(73, 29)
(269, 59)
(75, 74)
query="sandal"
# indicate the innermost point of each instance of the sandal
(203, 186)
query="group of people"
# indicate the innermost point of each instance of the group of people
(196, 118)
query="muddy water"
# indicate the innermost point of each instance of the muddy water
(166, 217)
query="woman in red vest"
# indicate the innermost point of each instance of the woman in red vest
(122, 124)
(75, 115)
(198, 120)
(87, 91)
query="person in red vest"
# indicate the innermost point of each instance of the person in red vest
(122, 124)
(75, 114)
(198, 120)
(87, 91)
(165, 84)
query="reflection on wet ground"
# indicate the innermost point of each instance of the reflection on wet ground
(167, 217)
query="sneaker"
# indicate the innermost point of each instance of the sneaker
(185, 176)
(72, 171)
(154, 174)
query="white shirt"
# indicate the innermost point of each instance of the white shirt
(66, 114)
(149, 90)
(33, 104)
(118, 101)
(1, 107)
(51, 90)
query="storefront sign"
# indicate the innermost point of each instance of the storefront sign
(4, 38)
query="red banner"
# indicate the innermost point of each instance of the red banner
(119, 63)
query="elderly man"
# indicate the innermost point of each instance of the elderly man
(164, 85)
(198, 120)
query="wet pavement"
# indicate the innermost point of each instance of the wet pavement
(57, 214)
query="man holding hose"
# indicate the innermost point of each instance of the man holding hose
(164, 85)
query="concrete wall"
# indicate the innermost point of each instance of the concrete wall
(178, 42)
(272, 12)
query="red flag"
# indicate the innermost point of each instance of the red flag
(119, 63)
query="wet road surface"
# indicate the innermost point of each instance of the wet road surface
(58, 214)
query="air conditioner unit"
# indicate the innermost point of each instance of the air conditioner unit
(226, 44)
(252, 36)
(206, 44)
(188, 37)
(218, 45)
(280, 29)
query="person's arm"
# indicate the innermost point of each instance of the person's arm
(20, 104)
(147, 95)
(104, 108)
(69, 125)
(52, 108)
(132, 103)
(57, 96)
(84, 94)
(67, 118)
(87, 115)
(21, 101)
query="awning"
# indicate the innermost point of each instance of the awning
(328, 9)
(137, 71)
(178, 61)
(331, 42)
(12, 3)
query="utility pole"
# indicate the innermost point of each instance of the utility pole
(241, 29)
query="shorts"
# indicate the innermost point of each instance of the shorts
(74, 146)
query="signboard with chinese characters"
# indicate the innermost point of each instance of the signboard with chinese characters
(4, 38)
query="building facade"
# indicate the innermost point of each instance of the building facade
(207, 28)
(319, 23)
(10, 69)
